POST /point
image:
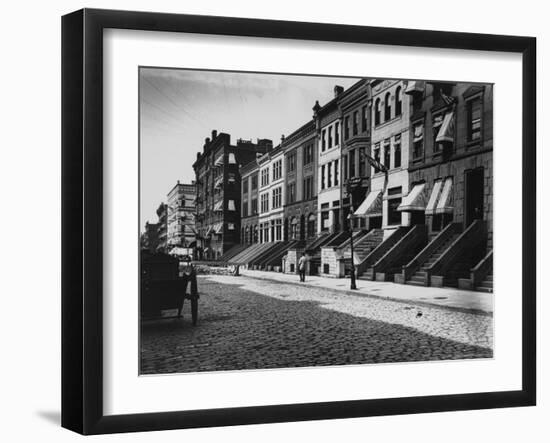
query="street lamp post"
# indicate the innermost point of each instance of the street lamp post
(349, 186)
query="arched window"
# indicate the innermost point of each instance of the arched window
(377, 112)
(398, 102)
(387, 107)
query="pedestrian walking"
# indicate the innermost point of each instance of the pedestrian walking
(302, 267)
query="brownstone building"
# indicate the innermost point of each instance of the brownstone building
(451, 183)
(218, 181)
(300, 208)
(451, 154)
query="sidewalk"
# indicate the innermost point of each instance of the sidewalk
(445, 297)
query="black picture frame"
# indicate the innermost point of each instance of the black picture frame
(82, 215)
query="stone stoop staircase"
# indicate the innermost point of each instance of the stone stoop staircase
(420, 277)
(364, 247)
(313, 250)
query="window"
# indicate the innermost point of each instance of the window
(291, 162)
(329, 175)
(387, 107)
(362, 163)
(276, 198)
(245, 209)
(376, 152)
(308, 154)
(418, 141)
(324, 221)
(377, 112)
(336, 133)
(278, 230)
(323, 177)
(277, 170)
(294, 228)
(474, 120)
(254, 182)
(437, 122)
(355, 122)
(346, 128)
(245, 186)
(323, 140)
(394, 200)
(398, 102)
(397, 152)
(330, 137)
(336, 172)
(291, 193)
(265, 202)
(311, 225)
(308, 188)
(254, 208)
(265, 176)
(345, 167)
(352, 163)
(364, 119)
(387, 154)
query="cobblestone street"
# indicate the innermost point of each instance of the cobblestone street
(247, 323)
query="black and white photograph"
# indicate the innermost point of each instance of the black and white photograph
(294, 221)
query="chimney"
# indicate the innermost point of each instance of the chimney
(338, 90)
(282, 138)
(214, 134)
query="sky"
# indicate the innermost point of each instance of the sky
(180, 108)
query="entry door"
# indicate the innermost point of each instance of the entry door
(474, 195)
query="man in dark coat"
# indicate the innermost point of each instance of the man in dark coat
(189, 276)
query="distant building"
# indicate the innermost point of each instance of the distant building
(181, 216)
(150, 238)
(218, 182)
(162, 228)
(249, 202)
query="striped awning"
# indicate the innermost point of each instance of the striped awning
(218, 206)
(218, 228)
(444, 203)
(447, 131)
(219, 181)
(371, 206)
(415, 200)
(415, 86)
(434, 196)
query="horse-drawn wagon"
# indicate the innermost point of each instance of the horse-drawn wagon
(166, 285)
